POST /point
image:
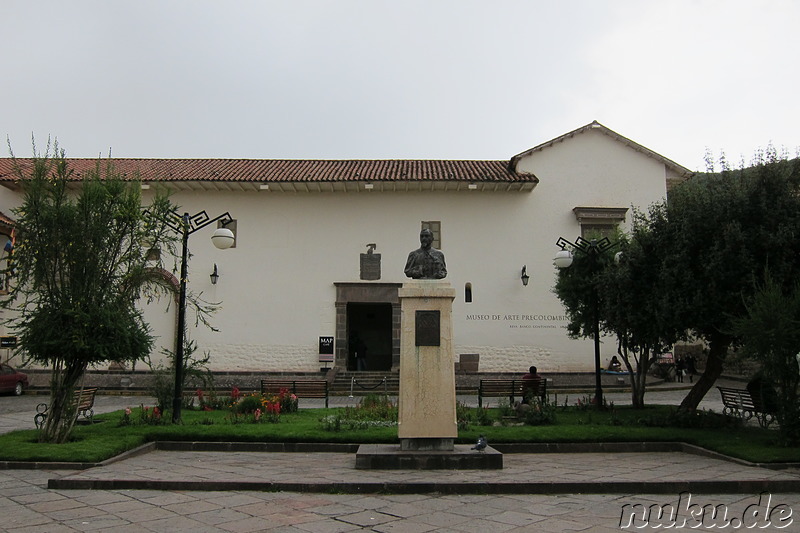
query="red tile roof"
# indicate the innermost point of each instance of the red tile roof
(292, 170)
(6, 221)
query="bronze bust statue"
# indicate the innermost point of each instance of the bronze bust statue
(426, 262)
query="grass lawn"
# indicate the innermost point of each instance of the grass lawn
(108, 437)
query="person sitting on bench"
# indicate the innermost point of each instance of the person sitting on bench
(530, 384)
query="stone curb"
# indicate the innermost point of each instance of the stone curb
(602, 487)
(311, 447)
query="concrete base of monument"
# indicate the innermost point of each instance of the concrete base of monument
(426, 444)
(391, 457)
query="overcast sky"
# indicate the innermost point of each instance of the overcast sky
(448, 79)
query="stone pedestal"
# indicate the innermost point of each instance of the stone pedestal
(427, 400)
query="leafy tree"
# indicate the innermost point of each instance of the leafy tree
(716, 234)
(628, 303)
(770, 334)
(633, 305)
(79, 267)
(690, 264)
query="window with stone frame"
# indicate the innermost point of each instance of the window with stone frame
(599, 221)
(594, 231)
(436, 228)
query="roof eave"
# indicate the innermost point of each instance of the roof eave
(351, 186)
(594, 125)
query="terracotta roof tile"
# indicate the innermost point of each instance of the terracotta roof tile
(6, 221)
(296, 170)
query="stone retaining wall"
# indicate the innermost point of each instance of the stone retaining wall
(141, 381)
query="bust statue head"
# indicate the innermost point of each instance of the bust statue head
(426, 262)
(426, 239)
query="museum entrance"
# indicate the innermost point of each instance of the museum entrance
(372, 310)
(369, 336)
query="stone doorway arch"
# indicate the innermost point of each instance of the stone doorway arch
(364, 294)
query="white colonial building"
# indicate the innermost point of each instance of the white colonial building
(321, 246)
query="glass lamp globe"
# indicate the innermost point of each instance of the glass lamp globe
(563, 259)
(222, 238)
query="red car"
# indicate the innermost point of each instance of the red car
(11, 380)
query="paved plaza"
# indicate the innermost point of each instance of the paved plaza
(236, 491)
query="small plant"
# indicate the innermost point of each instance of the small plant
(209, 401)
(538, 413)
(483, 416)
(151, 417)
(288, 401)
(246, 404)
(701, 418)
(463, 416)
(331, 423)
(378, 407)
(507, 410)
(126, 417)
(374, 410)
(195, 372)
(586, 403)
(254, 407)
(271, 408)
(467, 416)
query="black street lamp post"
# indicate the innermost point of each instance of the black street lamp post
(222, 238)
(592, 249)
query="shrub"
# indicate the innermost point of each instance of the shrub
(374, 410)
(247, 404)
(467, 416)
(151, 416)
(288, 401)
(697, 419)
(538, 412)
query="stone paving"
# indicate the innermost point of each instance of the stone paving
(28, 505)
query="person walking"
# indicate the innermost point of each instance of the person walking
(680, 369)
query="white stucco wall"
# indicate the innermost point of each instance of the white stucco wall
(277, 286)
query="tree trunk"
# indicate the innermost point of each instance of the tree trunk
(638, 381)
(62, 410)
(638, 374)
(718, 349)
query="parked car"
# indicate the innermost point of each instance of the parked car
(12, 380)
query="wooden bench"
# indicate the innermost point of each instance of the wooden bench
(82, 401)
(740, 403)
(510, 388)
(306, 388)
